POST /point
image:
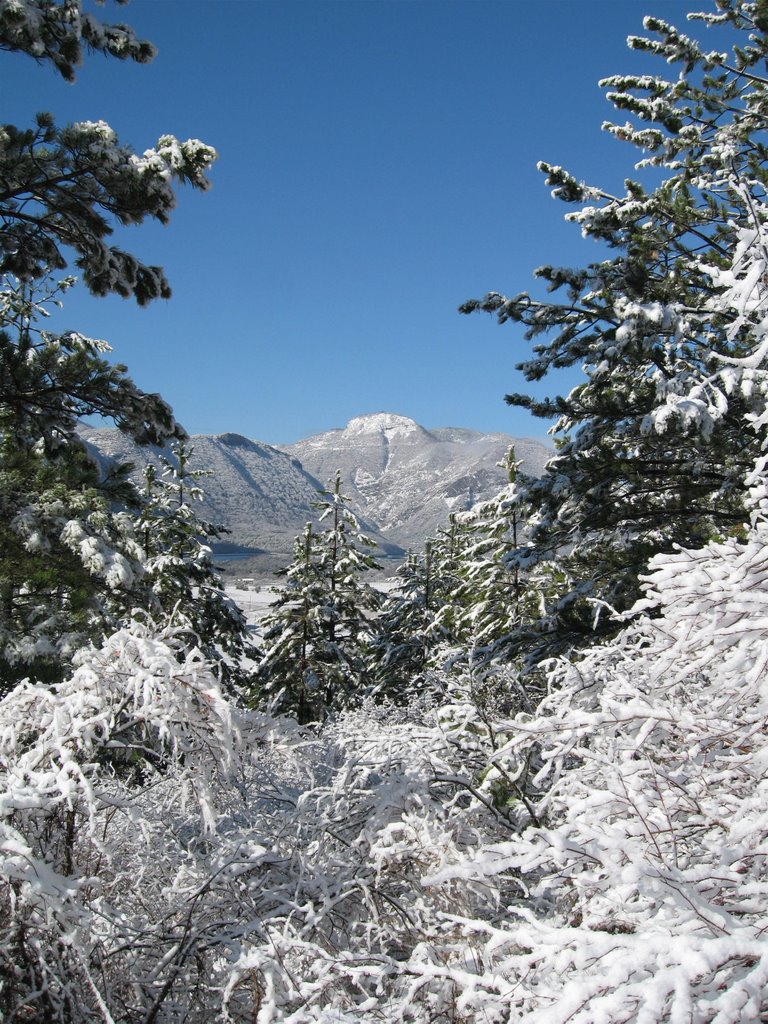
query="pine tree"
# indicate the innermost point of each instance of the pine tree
(68, 546)
(447, 551)
(287, 674)
(320, 626)
(61, 187)
(425, 620)
(180, 583)
(406, 631)
(645, 460)
(68, 556)
(490, 590)
(56, 30)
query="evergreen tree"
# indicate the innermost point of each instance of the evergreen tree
(287, 674)
(61, 187)
(57, 30)
(645, 460)
(406, 631)
(320, 626)
(180, 583)
(490, 589)
(429, 619)
(447, 551)
(64, 553)
(67, 549)
(423, 619)
(68, 557)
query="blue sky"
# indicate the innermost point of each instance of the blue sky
(377, 167)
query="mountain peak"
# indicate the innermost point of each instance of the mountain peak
(236, 441)
(406, 479)
(388, 423)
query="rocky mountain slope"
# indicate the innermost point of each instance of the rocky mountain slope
(259, 493)
(407, 479)
(402, 480)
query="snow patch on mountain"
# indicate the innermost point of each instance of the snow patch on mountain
(387, 423)
(407, 479)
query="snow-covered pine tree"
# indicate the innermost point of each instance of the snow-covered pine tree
(423, 617)
(320, 627)
(406, 631)
(181, 585)
(642, 464)
(490, 591)
(286, 675)
(63, 186)
(447, 550)
(448, 600)
(644, 865)
(58, 30)
(65, 550)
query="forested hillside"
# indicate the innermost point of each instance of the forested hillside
(528, 783)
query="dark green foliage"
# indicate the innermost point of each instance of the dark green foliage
(57, 32)
(645, 460)
(456, 604)
(70, 564)
(65, 551)
(61, 187)
(317, 634)
(49, 381)
(406, 630)
(180, 584)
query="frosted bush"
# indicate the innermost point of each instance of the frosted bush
(602, 859)
(108, 800)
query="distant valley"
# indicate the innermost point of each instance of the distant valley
(402, 479)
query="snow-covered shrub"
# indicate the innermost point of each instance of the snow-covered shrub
(600, 859)
(356, 931)
(161, 861)
(108, 801)
(626, 881)
(648, 882)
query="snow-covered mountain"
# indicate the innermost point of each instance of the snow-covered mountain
(259, 493)
(402, 480)
(406, 479)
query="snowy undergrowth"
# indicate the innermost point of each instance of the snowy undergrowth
(604, 859)
(109, 784)
(647, 876)
(162, 861)
(628, 885)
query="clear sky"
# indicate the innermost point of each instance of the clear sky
(377, 167)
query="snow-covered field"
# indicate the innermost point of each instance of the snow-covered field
(254, 599)
(254, 603)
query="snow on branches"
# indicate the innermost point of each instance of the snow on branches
(602, 856)
(56, 32)
(63, 187)
(649, 869)
(108, 793)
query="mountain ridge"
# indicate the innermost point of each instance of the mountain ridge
(407, 478)
(402, 479)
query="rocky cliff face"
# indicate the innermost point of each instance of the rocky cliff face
(407, 479)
